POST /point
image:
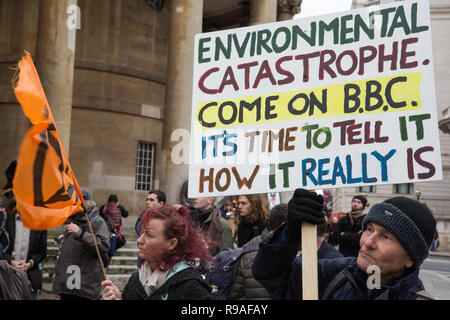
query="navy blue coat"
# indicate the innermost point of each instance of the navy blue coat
(279, 270)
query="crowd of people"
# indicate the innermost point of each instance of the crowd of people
(179, 243)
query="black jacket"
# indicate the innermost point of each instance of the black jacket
(79, 256)
(37, 250)
(279, 270)
(247, 231)
(184, 285)
(327, 251)
(349, 241)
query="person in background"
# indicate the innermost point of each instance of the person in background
(78, 273)
(227, 212)
(252, 217)
(155, 199)
(324, 249)
(207, 217)
(113, 202)
(26, 249)
(347, 232)
(112, 212)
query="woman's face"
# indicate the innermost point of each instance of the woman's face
(244, 206)
(153, 244)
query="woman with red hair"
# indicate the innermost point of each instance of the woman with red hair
(172, 250)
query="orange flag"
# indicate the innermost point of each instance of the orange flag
(44, 185)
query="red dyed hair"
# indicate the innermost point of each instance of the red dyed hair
(192, 245)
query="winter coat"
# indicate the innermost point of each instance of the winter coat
(245, 286)
(14, 283)
(186, 284)
(247, 231)
(349, 241)
(327, 251)
(278, 268)
(78, 253)
(37, 250)
(226, 236)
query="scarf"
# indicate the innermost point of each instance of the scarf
(354, 215)
(214, 228)
(151, 280)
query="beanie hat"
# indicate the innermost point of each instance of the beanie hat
(362, 199)
(4, 201)
(85, 193)
(410, 221)
(113, 198)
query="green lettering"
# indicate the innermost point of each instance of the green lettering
(298, 32)
(332, 26)
(202, 49)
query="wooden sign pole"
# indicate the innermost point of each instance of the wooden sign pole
(309, 262)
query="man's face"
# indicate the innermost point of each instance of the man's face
(244, 206)
(381, 248)
(228, 206)
(152, 202)
(203, 204)
(357, 204)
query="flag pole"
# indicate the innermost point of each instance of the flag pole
(309, 262)
(96, 246)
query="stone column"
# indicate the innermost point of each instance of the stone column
(262, 11)
(185, 21)
(287, 9)
(54, 59)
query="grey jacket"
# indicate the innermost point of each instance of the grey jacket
(245, 286)
(78, 271)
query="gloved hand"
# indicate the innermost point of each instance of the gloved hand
(304, 206)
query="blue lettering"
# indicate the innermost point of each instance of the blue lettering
(308, 172)
(364, 170)
(383, 161)
(338, 171)
(348, 160)
(323, 172)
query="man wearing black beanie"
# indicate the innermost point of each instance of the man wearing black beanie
(347, 232)
(396, 238)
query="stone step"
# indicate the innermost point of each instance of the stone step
(131, 242)
(120, 280)
(49, 262)
(124, 260)
(129, 252)
(111, 269)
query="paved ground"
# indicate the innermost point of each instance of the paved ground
(437, 282)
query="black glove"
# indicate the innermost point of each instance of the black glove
(305, 206)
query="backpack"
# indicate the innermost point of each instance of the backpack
(221, 272)
(4, 245)
(113, 217)
(345, 275)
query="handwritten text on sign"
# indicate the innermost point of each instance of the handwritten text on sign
(345, 99)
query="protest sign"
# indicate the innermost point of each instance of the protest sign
(345, 99)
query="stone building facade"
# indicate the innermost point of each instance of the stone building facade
(118, 77)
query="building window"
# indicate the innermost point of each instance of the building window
(366, 189)
(144, 166)
(403, 188)
(372, 3)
